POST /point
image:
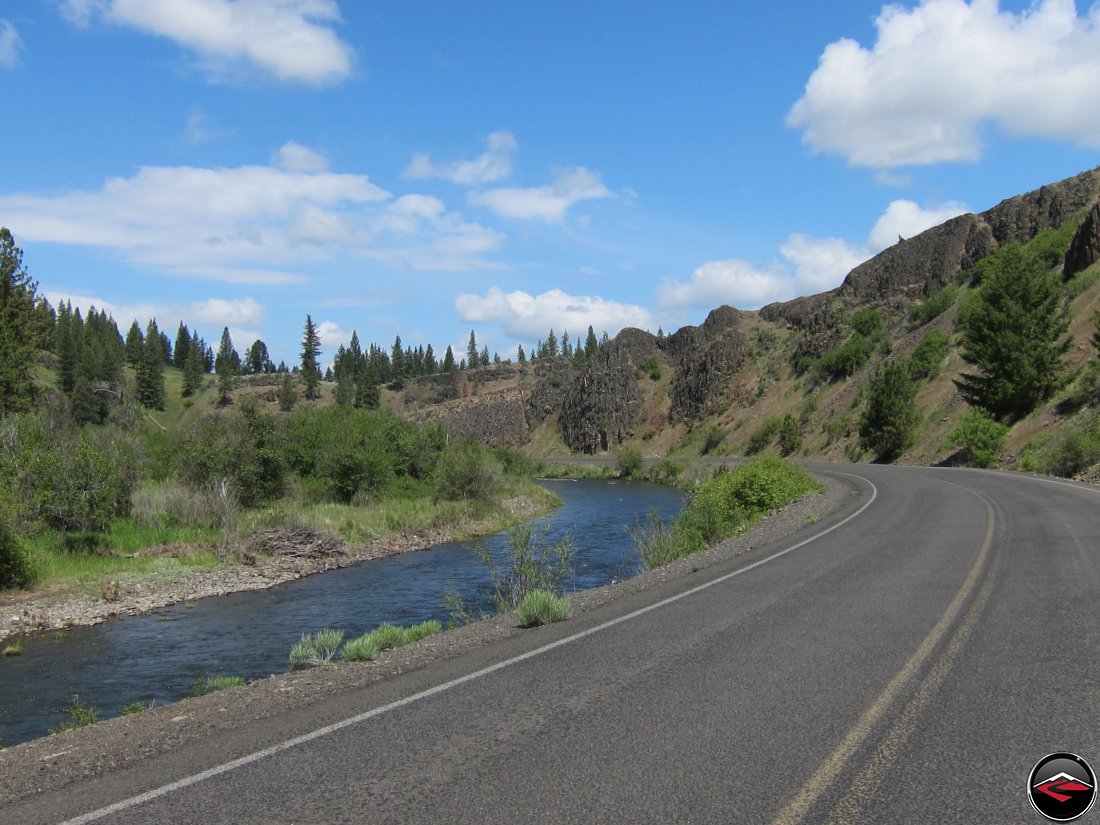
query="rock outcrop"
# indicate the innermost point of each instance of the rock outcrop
(601, 406)
(918, 266)
(498, 420)
(704, 358)
(1084, 249)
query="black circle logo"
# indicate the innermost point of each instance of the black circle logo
(1062, 787)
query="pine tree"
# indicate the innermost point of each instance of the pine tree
(551, 345)
(287, 392)
(182, 349)
(311, 351)
(566, 346)
(889, 424)
(448, 360)
(430, 365)
(135, 345)
(366, 387)
(520, 356)
(18, 328)
(223, 367)
(483, 359)
(67, 348)
(1013, 334)
(397, 360)
(150, 370)
(590, 343)
(193, 367)
(258, 359)
(471, 350)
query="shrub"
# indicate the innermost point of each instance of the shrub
(361, 649)
(925, 360)
(387, 636)
(665, 471)
(659, 543)
(846, 360)
(868, 322)
(652, 366)
(15, 567)
(137, 707)
(790, 439)
(12, 649)
(79, 715)
(243, 446)
(541, 607)
(980, 437)
(934, 305)
(210, 684)
(763, 435)
(1066, 452)
(713, 436)
(628, 462)
(534, 565)
(315, 650)
(888, 426)
(421, 631)
(466, 471)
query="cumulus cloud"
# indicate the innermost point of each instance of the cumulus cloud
(938, 72)
(810, 265)
(331, 335)
(290, 40)
(294, 157)
(547, 203)
(493, 164)
(10, 45)
(526, 316)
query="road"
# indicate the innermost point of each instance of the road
(909, 665)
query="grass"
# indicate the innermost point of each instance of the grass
(210, 684)
(385, 637)
(541, 607)
(318, 649)
(138, 707)
(12, 649)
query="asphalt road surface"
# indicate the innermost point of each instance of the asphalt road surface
(909, 665)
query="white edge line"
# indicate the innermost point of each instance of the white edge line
(257, 756)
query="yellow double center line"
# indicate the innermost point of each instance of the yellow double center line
(847, 809)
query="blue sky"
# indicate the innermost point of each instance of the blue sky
(424, 168)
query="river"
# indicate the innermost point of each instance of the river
(160, 655)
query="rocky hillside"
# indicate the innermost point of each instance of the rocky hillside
(724, 385)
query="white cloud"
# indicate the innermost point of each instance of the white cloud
(291, 40)
(10, 45)
(202, 221)
(905, 218)
(294, 157)
(810, 265)
(938, 72)
(733, 282)
(331, 335)
(493, 164)
(198, 129)
(548, 203)
(525, 316)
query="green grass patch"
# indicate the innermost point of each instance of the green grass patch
(210, 684)
(12, 649)
(316, 649)
(80, 715)
(138, 707)
(541, 607)
(386, 637)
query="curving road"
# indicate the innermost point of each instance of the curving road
(910, 664)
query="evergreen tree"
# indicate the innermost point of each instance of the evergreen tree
(496, 357)
(135, 345)
(430, 365)
(87, 406)
(888, 426)
(224, 367)
(604, 340)
(471, 351)
(287, 392)
(397, 360)
(166, 348)
(182, 349)
(311, 351)
(551, 345)
(150, 370)
(67, 348)
(520, 356)
(193, 367)
(1013, 334)
(483, 359)
(566, 346)
(366, 387)
(1096, 334)
(258, 359)
(448, 360)
(590, 343)
(18, 328)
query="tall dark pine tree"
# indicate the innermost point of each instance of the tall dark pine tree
(135, 345)
(448, 360)
(472, 357)
(483, 359)
(224, 367)
(430, 365)
(259, 361)
(150, 371)
(67, 347)
(18, 328)
(397, 360)
(520, 356)
(194, 368)
(182, 348)
(311, 351)
(1014, 335)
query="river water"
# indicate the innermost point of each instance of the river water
(159, 656)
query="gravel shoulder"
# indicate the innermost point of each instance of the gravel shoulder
(54, 761)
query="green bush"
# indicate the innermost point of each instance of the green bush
(384, 637)
(925, 360)
(889, 423)
(659, 543)
(665, 471)
(980, 438)
(713, 436)
(846, 360)
(541, 607)
(388, 636)
(628, 462)
(790, 438)
(763, 436)
(1066, 452)
(361, 649)
(934, 305)
(652, 366)
(534, 565)
(15, 566)
(868, 322)
(466, 471)
(80, 715)
(244, 447)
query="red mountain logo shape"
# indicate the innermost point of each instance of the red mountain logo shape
(1062, 787)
